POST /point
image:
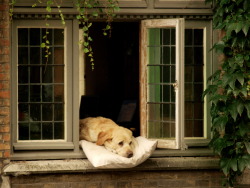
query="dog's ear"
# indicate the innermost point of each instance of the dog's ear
(102, 137)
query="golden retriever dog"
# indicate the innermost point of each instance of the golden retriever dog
(104, 131)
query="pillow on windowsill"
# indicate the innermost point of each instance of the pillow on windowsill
(100, 157)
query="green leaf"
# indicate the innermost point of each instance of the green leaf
(240, 107)
(247, 106)
(85, 50)
(238, 27)
(233, 111)
(225, 165)
(245, 28)
(233, 164)
(247, 144)
(42, 45)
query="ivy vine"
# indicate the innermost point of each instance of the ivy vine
(229, 89)
(87, 10)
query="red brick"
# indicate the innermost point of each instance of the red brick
(4, 42)
(4, 129)
(4, 102)
(4, 76)
(4, 58)
(4, 67)
(4, 85)
(4, 50)
(6, 137)
(6, 154)
(4, 146)
(4, 94)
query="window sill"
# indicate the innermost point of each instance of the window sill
(16, 168)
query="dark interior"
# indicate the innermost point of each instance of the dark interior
(114, 82)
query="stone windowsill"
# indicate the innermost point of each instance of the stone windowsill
(16, 168)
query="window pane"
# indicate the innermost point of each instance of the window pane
(23, 36)
(35, 131)
(35, 36)
(161, 76)
(59, 131)
(194, 82)
(23, 131)
(47, 131)
(41, 84)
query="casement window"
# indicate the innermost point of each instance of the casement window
(45, 98)
(173, 71)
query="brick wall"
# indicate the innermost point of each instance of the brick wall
(4, 83)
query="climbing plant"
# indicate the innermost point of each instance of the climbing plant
(87, 10)
(229, 88)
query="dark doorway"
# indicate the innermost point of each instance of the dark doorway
(115, 77)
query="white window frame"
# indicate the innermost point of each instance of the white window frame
(71, 92)
(179, 142)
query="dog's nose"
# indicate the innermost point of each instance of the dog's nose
(130, 155)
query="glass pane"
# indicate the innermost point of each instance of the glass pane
(166, 74)
(35, 76)
(59, 74)
(35, 36)
(154, 130)
(35, 91)
(198, 88)
(198, 128)
(47, 93)
(23, 93)
(59, 56)
(198, 55)
(154, 55)
(198, 39)
(154, 93)
(154, 38)
(189, 53)
(47, 74)
(59, 131)
(173, 36)
(35, 112)
(47, 112)
(198, 74)
(35, 131)
(189, 128)
(173, 55)
(166, 36)
(23, 55)
(23, 74)
(198, 110)
(166, 55)
(22, 36)
(47, 131)
(35, 55)
(189, 110)
(23, 112)
(188, 36)
(188, 92)
(58, 93)
(59, 112)
(23, 131)
(59, 36)
(166, 93)
(188, 73)
(154, 112)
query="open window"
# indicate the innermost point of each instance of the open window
(161, 75)
(166, 79)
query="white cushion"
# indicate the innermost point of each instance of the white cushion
(102, 158)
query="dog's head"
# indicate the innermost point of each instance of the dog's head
(118, 140)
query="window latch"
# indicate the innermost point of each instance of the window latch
(175, 85)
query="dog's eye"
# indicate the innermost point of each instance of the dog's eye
(130, 143)
(120, 143)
